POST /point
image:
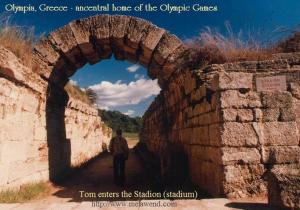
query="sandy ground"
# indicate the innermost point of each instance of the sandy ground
(97, 177)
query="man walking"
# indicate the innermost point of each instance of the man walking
(119, 149)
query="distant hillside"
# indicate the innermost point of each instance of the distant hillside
(116, 119)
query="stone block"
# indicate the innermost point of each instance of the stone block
(119, 25)
(30, 102)
(82, 34)
(277, 99)
(189, 84)
(167, 45)
(176, 62)
(295, 89)
(63, 39)
(186, 135)
(235, 80)
(242, 181)
(281, 154)
(239, 134)
(7, 155)
(287, 114)
(236, 99)
(277, 64)
(245, 115)
(136, 30)
(101, 31)
(40, 133)
(206, 153)
(258, 115)
(149, 43)
(4, 168)
(46, 50)
(241, 155)
(200, 135)
(284, 187)
(280, 133)
(206, 175)
(271, 114)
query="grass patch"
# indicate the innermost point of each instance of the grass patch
(77, 93)
(25, 193)
(18, 39)
(212, 47)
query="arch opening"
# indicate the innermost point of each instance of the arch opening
(91, 40)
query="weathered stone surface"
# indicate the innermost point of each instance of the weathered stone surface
(118, 27)
(64, 40)
(295, 90)
(101, 32)
(271, 114)
(244, 180)
(168, 44)
(280, 133)
(281, 154)
(258, 115)
(215, 134)
(136, 30)
(207, 175)
(222, 125)
(287, 114)
(229, 115)
(245, 115)
(26, 128)
(45, 49)
(284, 187)
(200, 135)
(241, 155)
(239, 134)
(277, 99)
(149, 43)
(233, 80)
(207, 153)
(82, 34)
(175, 62)
(236, 99)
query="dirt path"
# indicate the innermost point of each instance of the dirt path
(97, 177)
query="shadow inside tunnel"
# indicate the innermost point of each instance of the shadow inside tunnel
(59, 147)
(94, 182)
(96, 177)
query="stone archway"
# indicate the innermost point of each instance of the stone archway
(231, 133)
(91, 40)
(215, 116)
(96, 38)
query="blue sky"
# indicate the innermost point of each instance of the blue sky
(247, 15)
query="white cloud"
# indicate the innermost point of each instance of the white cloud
(119, 94)
(73, 82)
(133, 68)
(129, 112)
(139, 76)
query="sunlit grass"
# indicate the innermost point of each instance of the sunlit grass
(25, 193)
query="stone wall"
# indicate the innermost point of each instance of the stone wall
(231, 133)
(25, 149)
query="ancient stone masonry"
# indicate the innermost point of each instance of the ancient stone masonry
(231, 133)
(211, 125)
(24, 147)
(96, 38)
